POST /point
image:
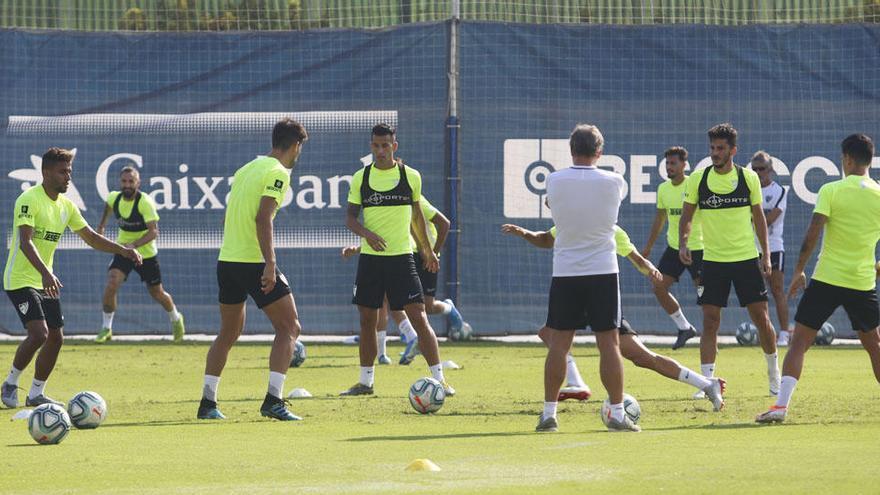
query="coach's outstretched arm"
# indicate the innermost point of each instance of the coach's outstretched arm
(543, 240)
(101, 243)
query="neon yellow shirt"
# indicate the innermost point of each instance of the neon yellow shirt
(147, 208)
(671, 198)
(728, 235)
(49, 219)
(852, 206)
(263, 176)
(388, 222)
(624, 245)
(429, 212)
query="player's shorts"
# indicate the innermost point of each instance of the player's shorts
(589, 300)
(777, 260)
(744, 275)
(820, 299)
(625, 328)
(428, 279)
(393, 276)
(239, 280)
(33, 304)
(670, 264)
(149, 269)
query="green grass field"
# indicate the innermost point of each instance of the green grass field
(483, 438)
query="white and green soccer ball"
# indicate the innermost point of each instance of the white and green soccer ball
(87, 410)
(49, 424)
(465, 332)
(826, 334)
(299, 354)
(426, 395)
(630, 407)
(746, 334)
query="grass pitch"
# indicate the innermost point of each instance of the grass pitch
(483, 438)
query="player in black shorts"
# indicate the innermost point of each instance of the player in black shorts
(247, 267)
(670, 196)
(138, 224)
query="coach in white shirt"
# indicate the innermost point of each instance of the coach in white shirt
(775, 199)
(584, 201)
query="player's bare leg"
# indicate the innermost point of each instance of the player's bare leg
(709, 338)
(575, 387)
(632, 349)
(777, 288)
(670, 304)
(115, 279)
(428, 346)
(871, 343)
(232, 318)
(382, 334)
(760, 315)
(285, 320)
(157, 292)
(792, 366)
(367, 350)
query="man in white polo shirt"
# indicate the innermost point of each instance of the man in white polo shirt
(775, 200)
(584, 201)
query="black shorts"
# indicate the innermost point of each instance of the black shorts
(589, 300)
(626, 329)
(392, 276)
(670, 264)
(238, 280)
(33, 304)
(821, 299)
(777, 260)
(744, 275)
(149, 269)
(428, 279)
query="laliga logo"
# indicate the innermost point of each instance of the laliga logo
(33, 176)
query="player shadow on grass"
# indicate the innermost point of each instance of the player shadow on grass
(449, 436)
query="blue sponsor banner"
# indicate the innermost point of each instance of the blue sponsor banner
(188, 109)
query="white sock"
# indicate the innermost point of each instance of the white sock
(680, 320)
(786, 390)
(108, 319)
(209, 390)
(14, 373)
(37, 388)
(708, 370)
(572, 375)
(692, 378)
(407, 330)
(447, 308)
(276, 383)
(617, 411)
(549, 410)
(380, 336)
(366, 376)
(173, 315)
(772, 364)
(437, 372)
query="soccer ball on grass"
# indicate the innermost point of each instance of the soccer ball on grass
(426, 395)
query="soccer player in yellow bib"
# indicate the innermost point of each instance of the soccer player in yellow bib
(138, 224)
(631, 348)
(41, 214)
(438, 228)
(247, 267)
(847, 216)
(389, 193)
(728, 198)
(670, 197)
